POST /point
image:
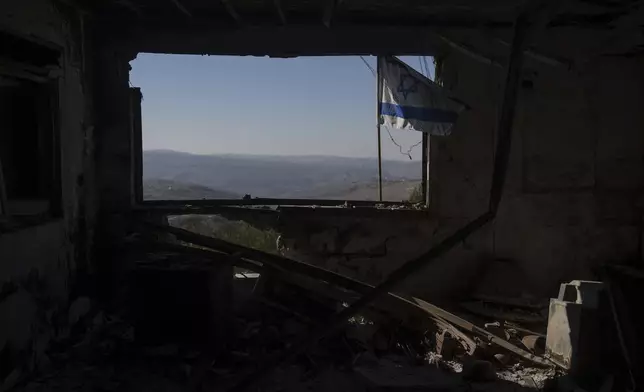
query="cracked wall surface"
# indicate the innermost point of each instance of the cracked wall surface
(39, 264)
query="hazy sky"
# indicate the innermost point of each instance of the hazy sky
(258, 105)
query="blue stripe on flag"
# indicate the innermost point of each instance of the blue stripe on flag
(416, 113)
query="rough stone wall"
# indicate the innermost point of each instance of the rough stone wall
(38, 264)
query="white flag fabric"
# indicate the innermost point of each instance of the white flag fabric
(410, 101)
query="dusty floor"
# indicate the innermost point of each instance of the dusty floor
(104, 355)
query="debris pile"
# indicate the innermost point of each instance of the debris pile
(395, 343)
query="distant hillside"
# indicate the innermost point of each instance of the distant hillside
(276, 176)
(158, 189)
(391, 191)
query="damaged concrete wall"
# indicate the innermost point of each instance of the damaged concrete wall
(573, 196)
(363, 244)
(368, 245)
(39, 264)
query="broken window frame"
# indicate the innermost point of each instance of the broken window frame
(136, 132)
(38, 64)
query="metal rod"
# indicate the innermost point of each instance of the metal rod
(506, 119)
(425, 167)
(379, 165)
(378, 97)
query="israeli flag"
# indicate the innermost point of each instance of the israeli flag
(410, 101)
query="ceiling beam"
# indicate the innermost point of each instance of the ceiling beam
(278, 41)
(232, 12)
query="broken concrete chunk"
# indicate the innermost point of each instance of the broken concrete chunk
(535, 343)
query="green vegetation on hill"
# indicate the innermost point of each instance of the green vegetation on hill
(237, 232)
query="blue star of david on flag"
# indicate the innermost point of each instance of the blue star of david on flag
(408, 84)
(410, 101)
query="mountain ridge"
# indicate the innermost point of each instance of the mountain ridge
(275, 176)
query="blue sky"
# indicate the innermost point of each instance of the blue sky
(259, 105)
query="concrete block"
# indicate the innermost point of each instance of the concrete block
(562, 338)
(573, 325)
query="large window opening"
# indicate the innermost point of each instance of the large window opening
(239, 128)
(29, 169)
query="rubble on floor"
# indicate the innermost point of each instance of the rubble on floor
(396, 344)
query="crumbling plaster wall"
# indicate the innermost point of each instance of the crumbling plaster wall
(572, 198)
(38, 264)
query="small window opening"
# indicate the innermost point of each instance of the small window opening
(29, 175)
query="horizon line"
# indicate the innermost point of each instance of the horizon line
(276, 155)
